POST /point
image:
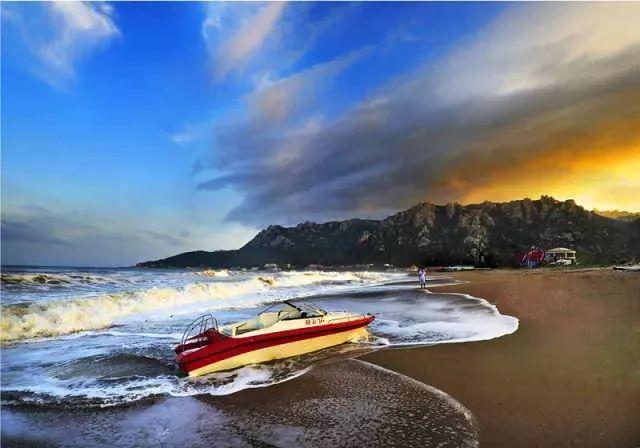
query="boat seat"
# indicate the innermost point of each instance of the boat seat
(257, 323)
(268, 319)
(265, 320)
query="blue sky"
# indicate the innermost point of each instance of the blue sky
(133, 131)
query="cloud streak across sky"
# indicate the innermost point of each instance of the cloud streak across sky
(539, 85)
(233, 37)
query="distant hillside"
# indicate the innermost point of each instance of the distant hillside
(619, 215)
(489, 234)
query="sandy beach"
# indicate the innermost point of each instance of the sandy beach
(569, 376)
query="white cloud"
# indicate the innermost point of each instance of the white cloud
(62, 33)
(186, 135)
(532, 46)
(233, 42)
(193, 131)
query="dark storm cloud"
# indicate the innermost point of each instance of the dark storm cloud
(540, 82)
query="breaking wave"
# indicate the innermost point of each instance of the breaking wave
(51, 279)
(91, 312)
(213, 273)
(294, 278)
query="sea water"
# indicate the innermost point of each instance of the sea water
(103, 337)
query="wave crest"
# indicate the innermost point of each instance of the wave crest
(64, 316)
(50, 279)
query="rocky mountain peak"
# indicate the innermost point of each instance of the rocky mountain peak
(488, 233)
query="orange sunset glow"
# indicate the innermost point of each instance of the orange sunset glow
(603, 182)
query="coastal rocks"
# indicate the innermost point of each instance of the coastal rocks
(281, 241)
(422, 239)
(366, 236)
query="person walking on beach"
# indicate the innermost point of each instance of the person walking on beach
(422, 276)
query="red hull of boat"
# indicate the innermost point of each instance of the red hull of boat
(220, 347)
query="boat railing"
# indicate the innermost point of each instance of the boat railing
(196, 331)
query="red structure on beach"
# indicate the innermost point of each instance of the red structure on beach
(533, 258)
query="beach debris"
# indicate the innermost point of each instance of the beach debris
(628, 268)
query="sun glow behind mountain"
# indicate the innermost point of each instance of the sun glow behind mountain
(609, 180)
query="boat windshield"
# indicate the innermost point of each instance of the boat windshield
(277, 312)
(288, 310)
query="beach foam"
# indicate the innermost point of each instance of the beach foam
(54, 279)
(418, 317)
(112, 348)
(213, 273)
(118, 379)
(64, 316)
(479, 321)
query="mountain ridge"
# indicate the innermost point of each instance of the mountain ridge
(484, 234)
(620, 215)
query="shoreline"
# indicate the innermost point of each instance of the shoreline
(569, 375)
(318, 409)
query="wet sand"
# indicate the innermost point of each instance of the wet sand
(570, 375)
(337, 404)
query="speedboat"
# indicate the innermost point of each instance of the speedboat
(282, 330)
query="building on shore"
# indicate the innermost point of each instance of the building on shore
(560, 255)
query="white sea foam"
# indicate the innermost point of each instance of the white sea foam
(94, 370)
(248, 377)
(213, 273)
(477, 320)
(122, 390)
(64, 316)
(58, 317)
(305, 278)
(127, 334)
(55, 279)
